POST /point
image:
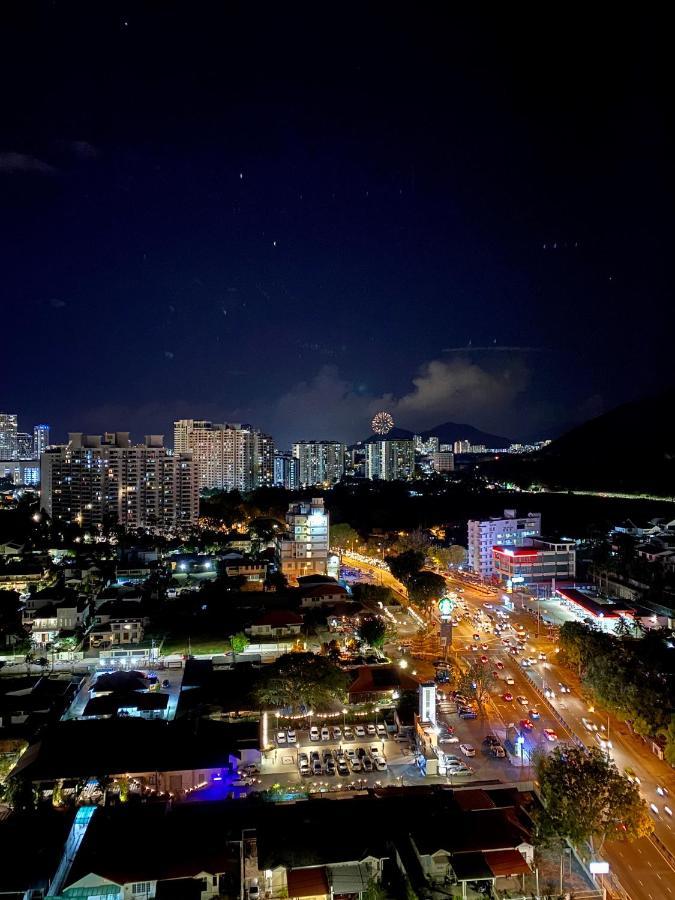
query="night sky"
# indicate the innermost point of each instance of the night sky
(293, 218)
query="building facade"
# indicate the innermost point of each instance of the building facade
(443, 461)
(96, 479)
(303, 550)
(24, 445)
(40, 439)
(286, 471)
(390, 460)
(319, 462)
(537, 561)
(8, 436)
(227, 456)
(509, 531)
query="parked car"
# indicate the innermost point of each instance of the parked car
(381, 729)
(370, 728)
(367, 764)
(343, 769)
(317, 768)
(360, 731)
(467, 749)
(281, 737)
(355, 764)
(380, 764)
(325, 733)
(349, 734)
(498, 751)
(292, 739)
(337, 733)
(314, 733)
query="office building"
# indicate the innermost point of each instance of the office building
(537, 561)
(443, 461)
(320, 462)
(303, 550)
(24, 445)
(98, 479)
(390, 460)
(227, 456)
(8, 436)
(509, 531)
(40, 439)
(286, 471)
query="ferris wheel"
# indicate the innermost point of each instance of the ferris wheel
(382, 423)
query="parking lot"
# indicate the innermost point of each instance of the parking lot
(340, 751)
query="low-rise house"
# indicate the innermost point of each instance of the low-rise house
(254, 571)
(52, 620)
(373, 683)
(277, 623)
(19, 575)
(116, 631)
(316, 595)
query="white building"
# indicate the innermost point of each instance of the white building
(227, 456)
(8, 436)
(390, 460)
(509, 531)
(95, 478)
(303, 550)
(40, 439)
(462, 447)
(319, 462)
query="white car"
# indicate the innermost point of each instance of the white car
(325, 733)
(337, 733)
(523, 700)
(360, 731)
(375, 751)
(467, 749)
(589, 726)
(371, 729)
(314, 733)
(460, 770)
(380, 764)
(381, 729)
(281, 737)
(292, 739)
(448, 739)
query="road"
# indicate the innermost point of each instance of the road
(641, 867)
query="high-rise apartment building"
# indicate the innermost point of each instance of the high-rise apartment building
(303, 550)
(425, 446)
(443, 461)
(227, 456)
(8, 431)
(286, 471)
(320, 462)
(24, 445)
(392, 460)
(40, 439)
(462, 447)
(509, 531)
(96, 479)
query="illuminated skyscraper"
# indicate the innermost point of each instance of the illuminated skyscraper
(390, 460)
(320, 462)
(40, 439)
(228, 456)
(8, 429)
(303, 550)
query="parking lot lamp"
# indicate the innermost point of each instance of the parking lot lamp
(344, 720)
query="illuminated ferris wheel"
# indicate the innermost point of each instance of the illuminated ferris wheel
(382, 423)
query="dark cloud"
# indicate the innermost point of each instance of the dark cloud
(12, 163)
(56, 303)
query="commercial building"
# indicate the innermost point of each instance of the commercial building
(509, 531)
(286, 471)
(8, 436)
(538, 560)
(443, 462)
(390, 460)
(24, 445)
(303, 550)
(40, 439)
(227, 456)
(94, 479)
(320, 462)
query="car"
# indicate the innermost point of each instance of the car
(317, 768)
(474, 648)
(325, 733)
(485, 646)
(292, 739)
(360, 731)
(542, 657)
(380, 764)
(253, 891)
(327, 754)
(381, 729)
(460, 770)
(499, 664)
(509, 680)
(343, 769)
(314, 756)
(550, 735)
(349, 734)
(514, 651)
(314, 733)
(303, 760)
(563, 688)
(549, 694)
(330, 767)
(304, 770)
(337, 733)
(525, 663)
(523, 700)
(484, 660)
(498, 751)
(451, 759)
(468, 714)
(588, 725)
(355, 764)
(508, 697)
(467, 749)
(476, 637)
(367, 764)
(448, 739)
(526, 724)
(370, 728)
(491, 740)
(351, 753)
(534, 714)
(281, 737)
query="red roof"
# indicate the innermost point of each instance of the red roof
(323, 590)
(307, 882)
(279, 617)
(515, 551)
(507, 862)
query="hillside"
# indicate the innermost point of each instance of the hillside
(629, 449)
(448, 433)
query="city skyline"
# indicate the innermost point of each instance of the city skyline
(418, 224)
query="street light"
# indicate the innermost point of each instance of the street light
(403, 663)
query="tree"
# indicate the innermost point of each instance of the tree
(425, 588)
(586, 799)
(301, 682)
(372, 631)
(276, 581)
(404, 566)
(476, 682)
(669, 734)
(457, 555)
(331, 649)
(239, 642)
(343, 536)
(416, 540)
